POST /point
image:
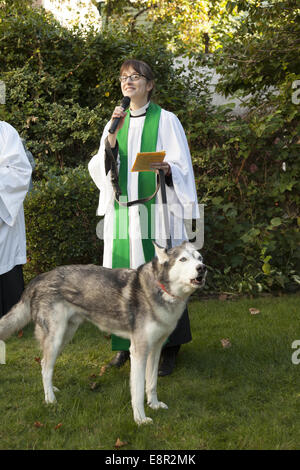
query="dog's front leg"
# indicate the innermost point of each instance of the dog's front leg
(138, 360)
(151, 377)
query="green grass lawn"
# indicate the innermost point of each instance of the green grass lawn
(246, 396)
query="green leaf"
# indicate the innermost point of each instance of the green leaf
(266, 268)
(276, 222)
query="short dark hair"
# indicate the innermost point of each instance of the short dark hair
(140, 67)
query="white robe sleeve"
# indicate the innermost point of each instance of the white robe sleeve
(182, 197)
(96, 168)
(15, 172)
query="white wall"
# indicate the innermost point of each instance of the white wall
(217, 98)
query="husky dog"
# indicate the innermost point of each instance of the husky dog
(143, 305)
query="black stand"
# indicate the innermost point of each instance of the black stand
(165, 209)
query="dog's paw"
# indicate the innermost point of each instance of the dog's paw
(50, 401)
(55, 389)
(144, 421)
(158, 404)
(50, 398)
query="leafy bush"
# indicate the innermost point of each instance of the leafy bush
(61, 222)
(251, 165)
(62, 85)
(61, 88)
(249, 183)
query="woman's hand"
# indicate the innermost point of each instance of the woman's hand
(118, 113)
(162, 166)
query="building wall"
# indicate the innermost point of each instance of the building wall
(217, 98)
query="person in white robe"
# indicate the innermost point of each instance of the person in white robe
(137, 83)
(15, 173)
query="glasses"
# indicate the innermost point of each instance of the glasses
(134, 77)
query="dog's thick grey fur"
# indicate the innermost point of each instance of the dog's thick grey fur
(143, 305)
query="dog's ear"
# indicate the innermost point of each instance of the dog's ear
(189, 246)
(161, 253)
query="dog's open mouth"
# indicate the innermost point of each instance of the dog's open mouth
(198, 281)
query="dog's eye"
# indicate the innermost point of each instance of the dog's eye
(183, 259)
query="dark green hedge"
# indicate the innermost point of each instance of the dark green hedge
(61, 88)
(249, 181)
(61, 222)
(251, 244)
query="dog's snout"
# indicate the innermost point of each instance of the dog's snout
(201, 268)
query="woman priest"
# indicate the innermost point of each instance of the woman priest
(145, 127)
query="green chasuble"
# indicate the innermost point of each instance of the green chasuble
(146, 187)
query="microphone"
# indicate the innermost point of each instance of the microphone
(124, 103)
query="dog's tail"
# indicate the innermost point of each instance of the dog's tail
(15, 319)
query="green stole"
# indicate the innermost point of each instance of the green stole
(146, 187)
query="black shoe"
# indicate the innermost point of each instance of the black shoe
(167, 360)
(120, 358)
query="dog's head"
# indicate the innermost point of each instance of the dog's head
(184, 265)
